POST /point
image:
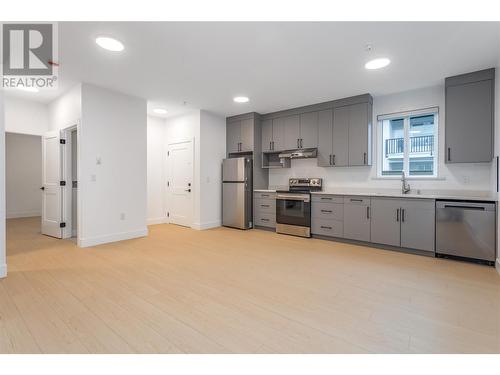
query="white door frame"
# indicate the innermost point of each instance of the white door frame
(168, 199)
(67, 176)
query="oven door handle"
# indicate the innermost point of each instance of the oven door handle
(290, 197)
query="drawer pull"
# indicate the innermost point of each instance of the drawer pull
(327, 211)
(356, 200)
(325, 227)
(264, 205)
(264, 195)
(326, 198)
(264, 219)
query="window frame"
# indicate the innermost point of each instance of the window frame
(379, 147)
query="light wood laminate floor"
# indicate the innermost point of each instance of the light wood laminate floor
(229, 291)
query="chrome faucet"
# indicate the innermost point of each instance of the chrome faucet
(405, 186)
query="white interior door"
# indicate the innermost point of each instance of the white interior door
(52, 191)
(180, 183)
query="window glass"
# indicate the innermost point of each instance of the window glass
(421, 149)
(393, 146)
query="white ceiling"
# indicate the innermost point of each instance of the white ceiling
(278, 65)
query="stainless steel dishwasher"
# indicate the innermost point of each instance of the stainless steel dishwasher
(466, 229)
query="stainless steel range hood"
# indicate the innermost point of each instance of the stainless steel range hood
(299, 154)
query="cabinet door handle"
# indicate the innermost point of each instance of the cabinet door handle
(265, 195)
(325, 227)
(364, 158)
(264, 205)
(262, 219)
(273, 145)
(330, 159)
(449, 153)
(397, 215)
(301, 143)
(270, 145)
(356, 200)
(368, 212)
(333, 159)
(326, 198)
(326, 211)
(403, 215)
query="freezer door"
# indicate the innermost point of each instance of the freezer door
(233, 169)
(234, 207)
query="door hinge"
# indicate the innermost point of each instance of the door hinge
(62, 183)
(62, 141)
(62, 225)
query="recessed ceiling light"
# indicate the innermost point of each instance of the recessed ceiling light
(241, 99)
(29, 89)
(160, 111)
(110, 44)
(377, 63)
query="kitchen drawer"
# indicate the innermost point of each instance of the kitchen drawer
(264, 195)
(329, 211)
(365, 201)
(266, 206)
(327, 198)
(265, 220)
(325, 227)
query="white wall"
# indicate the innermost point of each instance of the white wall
(473, 177)
(26, 116)
(66, 110)
(3, 261)
(212, 151)
(23, 175)
(113, 165)
(156, 170)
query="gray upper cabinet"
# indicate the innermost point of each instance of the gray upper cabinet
(239, 136)
(359, 130)
(292, 132)
(246, 139)
(340, 136)
(309, 130)
(418, 224)
(233, 136)
(385, 221)
(279, 134)
(357, 218)
(469, 117)
(267, 135)
(325, 130)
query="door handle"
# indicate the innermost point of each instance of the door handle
(298, 143)
(330, 159)
(368, 212)
(397, 215)
(403, 215)
(449, 153)
(188, 190)
(301, 143)
(270, 145)
(364, 157)
(273, 145)
(333, 159)
(42, 188)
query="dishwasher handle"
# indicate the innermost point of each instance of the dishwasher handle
(466, 205)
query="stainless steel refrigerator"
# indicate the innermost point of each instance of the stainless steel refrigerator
(237, 192)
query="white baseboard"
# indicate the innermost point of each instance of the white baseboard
(17, 215)
(158, 220)
(3, 270)
(209, 225)
(497, 265)
(94, 241)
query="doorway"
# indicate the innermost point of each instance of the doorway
(180, 183)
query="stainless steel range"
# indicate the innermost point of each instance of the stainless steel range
(293, 206)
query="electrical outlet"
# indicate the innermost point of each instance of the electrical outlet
(122, 216)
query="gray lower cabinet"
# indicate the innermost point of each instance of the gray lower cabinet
(357, 218)
(418, 224)
(385, 221)
(408, 223)
(327, 215)
(469, 117)
(264, 212)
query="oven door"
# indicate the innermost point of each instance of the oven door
(293, 209)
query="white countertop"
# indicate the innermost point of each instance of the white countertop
(424, 194)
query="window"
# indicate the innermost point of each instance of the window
(408, 142)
